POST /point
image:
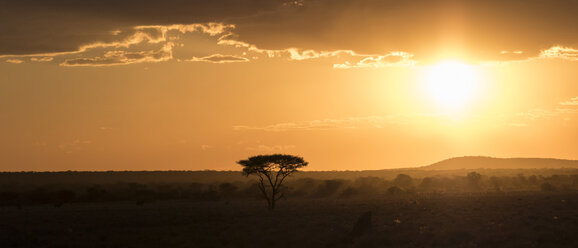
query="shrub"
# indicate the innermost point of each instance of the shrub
(548, 187)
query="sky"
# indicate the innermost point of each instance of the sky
(346, 84)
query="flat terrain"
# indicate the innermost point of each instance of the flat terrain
(539, 219)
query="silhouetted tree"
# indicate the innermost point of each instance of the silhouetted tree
(474, 179)
(271, 170)
(301, 187)
(369, 185)
(394, 190)
(497, 183)
(546, 186)
(427, 184)
(95, 193)
(63, 197)
(328, 188)
(349, 192)
(403, 180)
(227, 190)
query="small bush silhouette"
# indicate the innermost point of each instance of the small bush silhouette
(394, 190)
(548, 187)
(474, 179)
(349, 192)
(328, 188)
(64, 197)
(363, 224)
(228, 190)
(403, 180)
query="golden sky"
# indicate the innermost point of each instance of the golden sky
(347, 84)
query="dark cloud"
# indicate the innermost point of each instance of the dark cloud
(29, 27)
(479, 30)
(426, 28)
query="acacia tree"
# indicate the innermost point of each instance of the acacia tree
(272, 171)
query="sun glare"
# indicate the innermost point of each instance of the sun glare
(451, 85)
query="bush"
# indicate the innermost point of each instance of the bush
(403, 180)
(328, 188)
(349, 192)
(548, 187)
(394, 190)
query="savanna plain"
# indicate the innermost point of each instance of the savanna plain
(388, 208)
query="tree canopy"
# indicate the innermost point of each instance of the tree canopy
(272, 171)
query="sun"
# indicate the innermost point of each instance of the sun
(451, 85)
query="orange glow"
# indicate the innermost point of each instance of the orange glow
(347, 85)
(451, 85)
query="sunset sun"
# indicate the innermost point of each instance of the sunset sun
(450, 85)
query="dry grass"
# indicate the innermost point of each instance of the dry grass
(457, 220)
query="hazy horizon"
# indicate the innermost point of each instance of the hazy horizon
(347, 85)
(424, 166)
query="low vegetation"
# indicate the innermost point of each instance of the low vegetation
(68, 191)
(398, 208)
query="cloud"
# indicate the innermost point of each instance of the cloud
(477, 30)
(560, 52)
(554, 52)
(41, 59)
(297, 54)
(545, 114)
(297, 3)
(346, 34)
(380, 61)
(128, 46)
(73, 146)
(325, 124)
(418, 121)
(573, 102)
(39, 143)
(510, 56)
(363, 60)
(565, 113)
(111, 58)
(206, 147)
(219, 59)
(274, 148)
(15, 61)
(118, 39)
(36, 27)
(227, 40)
(431, 30)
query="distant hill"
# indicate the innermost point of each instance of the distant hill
(471, 162)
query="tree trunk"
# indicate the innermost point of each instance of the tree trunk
(272, 200)
(269, 204)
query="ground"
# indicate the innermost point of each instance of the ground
(536, 219)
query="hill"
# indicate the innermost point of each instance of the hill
(479, 162)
